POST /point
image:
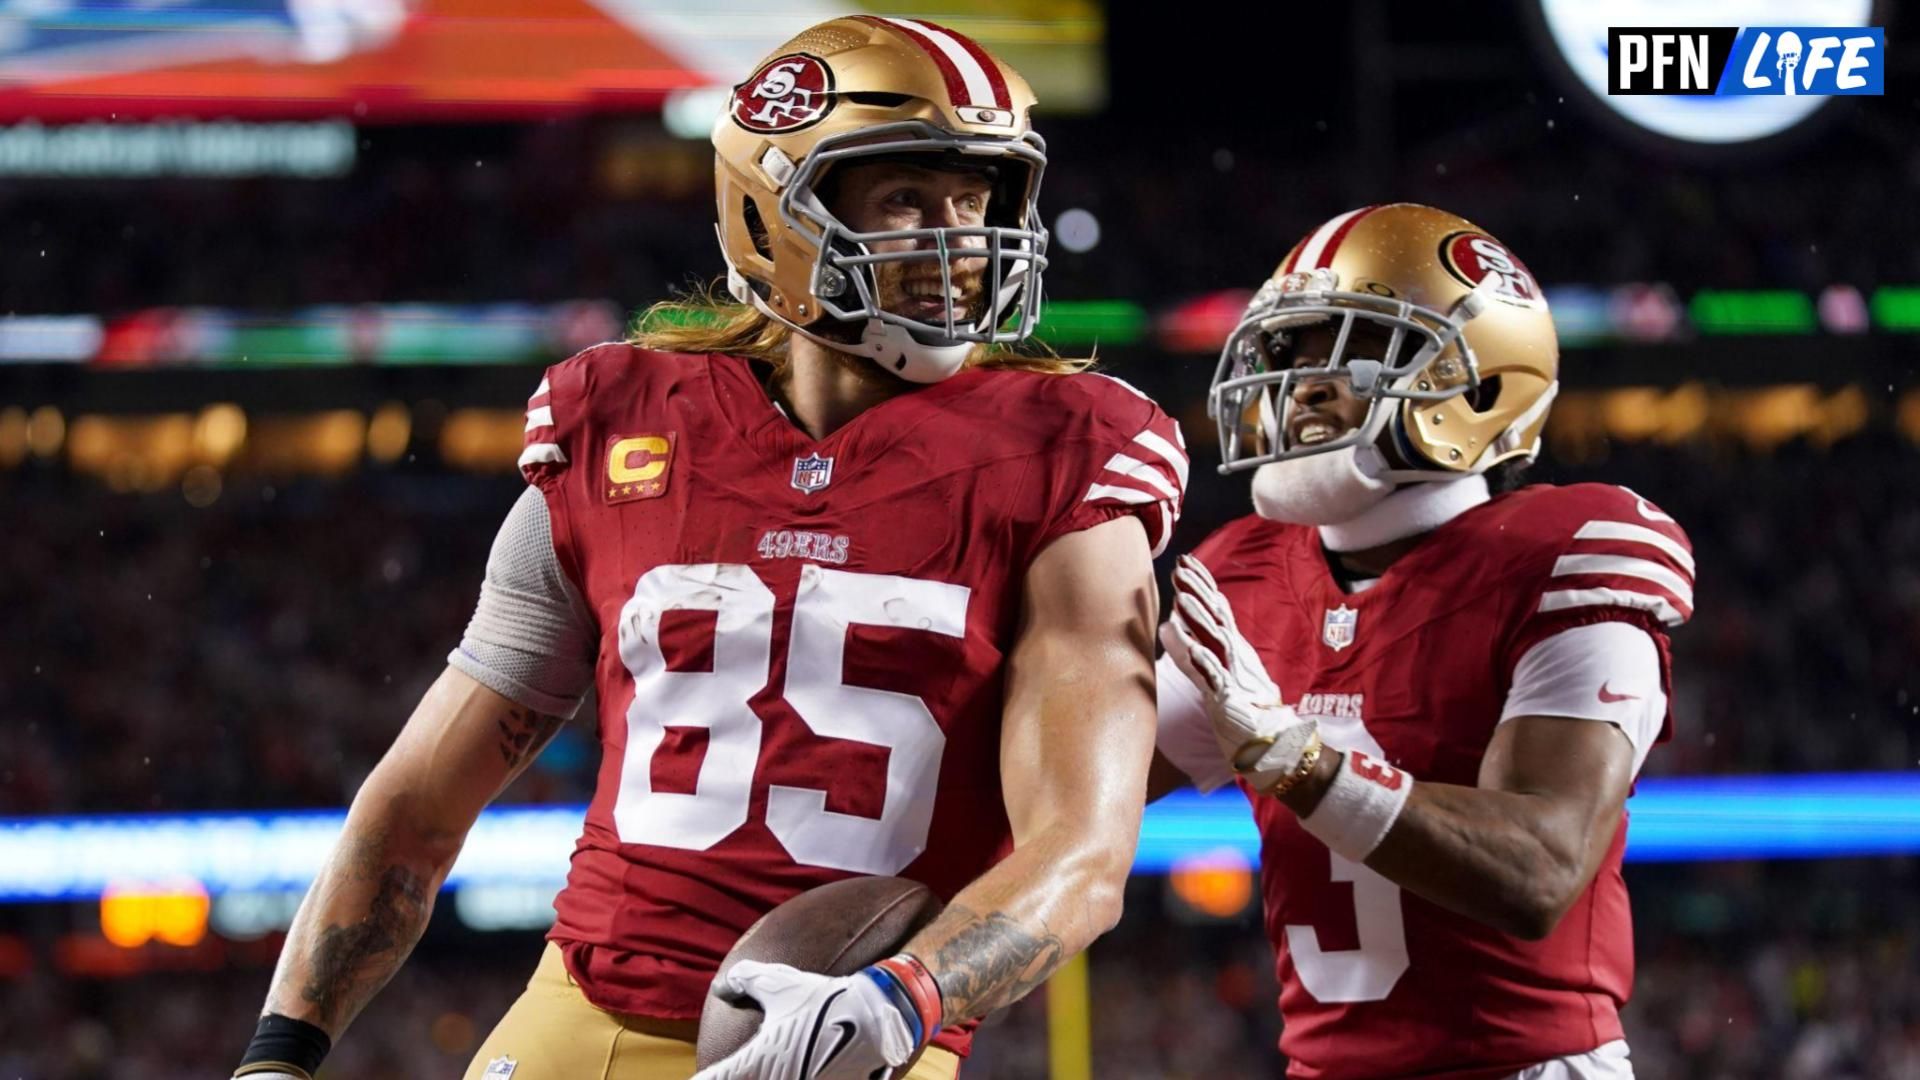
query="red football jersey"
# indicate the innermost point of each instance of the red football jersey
(1375, 981)
(801, 657)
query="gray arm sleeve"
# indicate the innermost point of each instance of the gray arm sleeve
(531, 638)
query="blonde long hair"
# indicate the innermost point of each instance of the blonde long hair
(702, 322)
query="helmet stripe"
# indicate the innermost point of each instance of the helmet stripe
(956, 86)
(1316, 242)
(1345, 226)
(968, 82)
(994, 79)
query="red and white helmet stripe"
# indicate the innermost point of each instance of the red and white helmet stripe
(973, 79)
(1318, 249)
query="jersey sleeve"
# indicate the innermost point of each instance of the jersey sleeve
(542, 457)
(1615, 557)
(1134, 464)
(1610, 672)
(556, 444)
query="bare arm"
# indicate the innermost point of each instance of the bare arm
(1075, 745)
(463, 745)
(1165, 778)
(1516, 851)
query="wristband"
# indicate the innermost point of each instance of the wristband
(283, 1044)
(1360, 806)
(913, 988)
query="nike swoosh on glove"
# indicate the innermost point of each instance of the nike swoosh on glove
(1263, 739)
(818, 1027)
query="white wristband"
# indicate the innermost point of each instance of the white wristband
(1360, 806)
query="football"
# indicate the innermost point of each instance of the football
(835, 929)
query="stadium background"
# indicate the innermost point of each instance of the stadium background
(276, 285)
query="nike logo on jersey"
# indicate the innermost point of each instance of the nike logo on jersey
(1608, 697)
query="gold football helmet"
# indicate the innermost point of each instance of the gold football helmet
(861, 88)
(1471, 361)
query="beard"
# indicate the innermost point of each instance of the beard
(890, 282)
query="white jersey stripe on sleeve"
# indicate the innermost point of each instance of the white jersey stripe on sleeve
(1167, 452)
(545, 387)
(542, 451)
(1130, 496)
(1638, 534)
(1659, 606)
(1626, 566)
(540, 417)
(1135, 469)
(1167, 518)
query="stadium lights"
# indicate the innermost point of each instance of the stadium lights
(1673, 820)
(1631, 313)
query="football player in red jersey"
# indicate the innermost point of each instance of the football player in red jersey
(1436, 696)
(857, 588)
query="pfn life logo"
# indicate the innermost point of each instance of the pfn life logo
(1727, 61)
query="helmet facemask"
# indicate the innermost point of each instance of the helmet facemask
(1426, 358)
(848, 274)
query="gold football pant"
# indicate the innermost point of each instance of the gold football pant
(554, 1033)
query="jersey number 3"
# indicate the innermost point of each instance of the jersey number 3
(1368, 972)
(826, 604)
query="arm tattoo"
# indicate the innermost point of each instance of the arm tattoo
(523, 734)
(350, 963)
(989, 962)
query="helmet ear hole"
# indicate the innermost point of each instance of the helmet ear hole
(756, 228)
(1481, 398)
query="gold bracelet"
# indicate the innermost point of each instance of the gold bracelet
(1309, 760)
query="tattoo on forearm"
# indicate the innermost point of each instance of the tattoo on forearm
(990, 961)
(349, 963)
(524, 733)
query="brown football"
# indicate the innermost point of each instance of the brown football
(835, 929)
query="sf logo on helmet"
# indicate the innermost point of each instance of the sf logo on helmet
(1473, 256)
(787, 93)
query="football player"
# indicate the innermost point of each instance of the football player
(1435, 691)
(858, 587)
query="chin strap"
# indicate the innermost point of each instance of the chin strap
(1509, 440)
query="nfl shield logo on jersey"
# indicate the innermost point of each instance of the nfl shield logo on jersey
(1337, 631)
(810, 474)
(500, 1068)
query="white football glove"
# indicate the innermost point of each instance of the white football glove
(818, 1027)
(1263, 739)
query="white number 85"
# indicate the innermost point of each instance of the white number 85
(826, 604)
